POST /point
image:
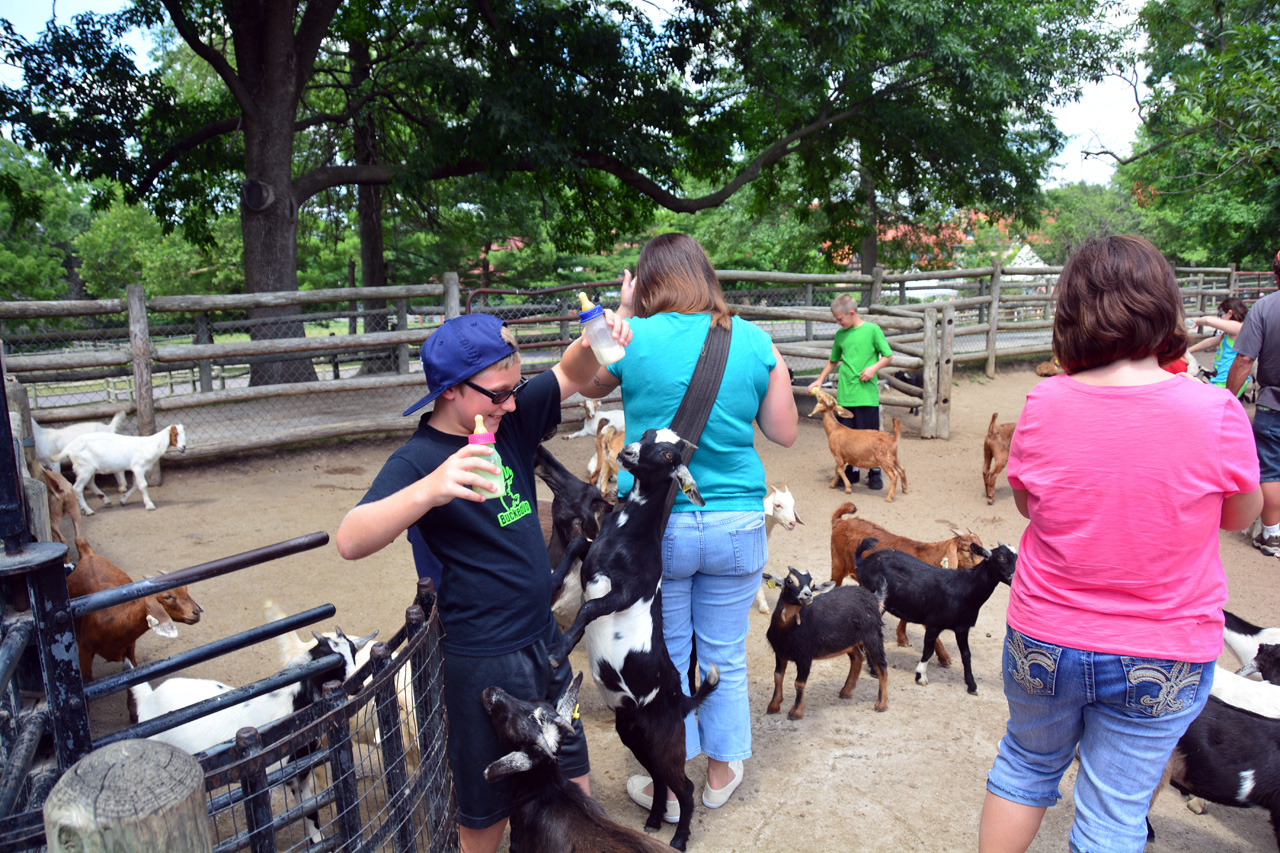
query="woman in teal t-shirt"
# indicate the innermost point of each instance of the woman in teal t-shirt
(713, 557)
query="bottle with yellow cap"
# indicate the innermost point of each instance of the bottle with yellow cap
(483, 436)
(606, 349)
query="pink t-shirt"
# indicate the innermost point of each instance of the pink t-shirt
(1125, 489)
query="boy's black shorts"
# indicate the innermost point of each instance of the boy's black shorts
(473, 746)
(864, 417)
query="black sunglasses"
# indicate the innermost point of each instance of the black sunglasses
(498, 397)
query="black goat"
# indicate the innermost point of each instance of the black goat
(813, 623)
(622, 620)
(577, 508)
(549, 814)
(940, 599)
(1231, 756)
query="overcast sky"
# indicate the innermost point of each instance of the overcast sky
(1104, 117)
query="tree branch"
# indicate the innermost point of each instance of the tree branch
(306, 42)
(169, 157)
(305, 186)
(1124, 161)
(208, 54)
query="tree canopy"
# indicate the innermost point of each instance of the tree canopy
(593, 107)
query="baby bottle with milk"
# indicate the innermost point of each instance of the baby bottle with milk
(482, 436)
(606, 349)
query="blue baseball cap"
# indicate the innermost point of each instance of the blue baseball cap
(459, 349)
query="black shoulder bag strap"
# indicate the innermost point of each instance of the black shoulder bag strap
(695, 408)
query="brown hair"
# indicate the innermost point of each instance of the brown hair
(1275, 264)
(674, 274)
(1117, 300)
(1236, 306)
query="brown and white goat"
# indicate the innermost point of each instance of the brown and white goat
(995, 454)
(859, 448)
(602, 468)
(847, 530)
(113, 633)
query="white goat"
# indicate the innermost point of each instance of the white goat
(595, 417)
(114, 454)
(50, 441)
(1259, 697)
(779, 508)
(260, 711)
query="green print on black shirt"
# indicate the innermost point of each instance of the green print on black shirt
(514, 506)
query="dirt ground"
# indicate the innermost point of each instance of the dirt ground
(911, 778)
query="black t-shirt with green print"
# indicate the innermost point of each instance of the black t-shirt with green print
(495, 595)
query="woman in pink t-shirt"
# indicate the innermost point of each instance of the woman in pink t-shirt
(1115, 613)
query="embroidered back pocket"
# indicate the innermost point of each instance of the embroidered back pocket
(1031, 663)
(1158, 687)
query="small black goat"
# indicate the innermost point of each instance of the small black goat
(577, 508)
(549, 814)
(1231, 756)
(622, 620)
(940, 599)
(814, 623)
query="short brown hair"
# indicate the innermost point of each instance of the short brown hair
(675, 274)
(1117, 300)
(843, 304)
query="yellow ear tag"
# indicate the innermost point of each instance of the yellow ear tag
(576, 706)
(771, 583)
(685, 488)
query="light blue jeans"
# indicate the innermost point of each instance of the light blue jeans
(1126, 713)
(711, 568)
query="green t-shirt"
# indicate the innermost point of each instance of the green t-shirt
(856, 349)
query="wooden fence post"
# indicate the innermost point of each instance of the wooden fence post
(808, 303)
(995, 312)
(140, 351)
(452, 302)
(1200, 293)
(131, 795)
(945, 369)
(402, 323)
(1231, 279)
(877, 278)
(929, 411)
(204, 335)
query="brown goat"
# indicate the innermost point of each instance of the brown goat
(847, 530)
(62, 502)
(859, 448)
(113, 633)
(995, 454)
(603, 466)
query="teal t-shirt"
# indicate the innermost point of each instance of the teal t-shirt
(655, 373)
(856, 349)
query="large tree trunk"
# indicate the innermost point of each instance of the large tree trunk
(268, 208)
(870, 237)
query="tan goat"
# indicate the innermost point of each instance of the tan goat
(995, 454)
(847, 530)
(859, 448)
(603, 466)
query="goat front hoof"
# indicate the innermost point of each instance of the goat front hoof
(881, 707)
(88, 511)
(679, 843)
(150, 506)
(973, 691)
(1196, 805)
(795, 714)
(922, 679)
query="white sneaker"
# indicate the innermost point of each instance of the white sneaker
(635, 790)
(714, 799)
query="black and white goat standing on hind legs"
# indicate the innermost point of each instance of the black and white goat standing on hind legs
(621, 619)
(550, 814)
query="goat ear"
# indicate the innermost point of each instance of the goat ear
(158, 618)
(569, 701)
(826, 586)
(687, 485)
(797, 515)
(512, 762)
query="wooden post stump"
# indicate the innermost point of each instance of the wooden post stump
(133, 795)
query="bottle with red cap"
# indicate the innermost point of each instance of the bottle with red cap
(483, 436)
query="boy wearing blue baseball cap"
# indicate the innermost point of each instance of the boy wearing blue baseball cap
(495, 592)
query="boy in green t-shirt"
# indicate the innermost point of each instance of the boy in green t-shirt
(860, 350)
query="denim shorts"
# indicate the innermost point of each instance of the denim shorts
(472, 744)
(1266, 435)
(1125, 713)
